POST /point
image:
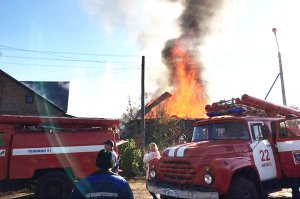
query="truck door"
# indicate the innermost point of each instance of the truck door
(262, 152)
(288, 145)
(4, 153)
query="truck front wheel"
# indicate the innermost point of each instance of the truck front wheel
(53, 185)
(242, 188)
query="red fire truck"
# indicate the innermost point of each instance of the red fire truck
(51, 151)
(247, 148)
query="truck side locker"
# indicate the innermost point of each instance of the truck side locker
(5, 140)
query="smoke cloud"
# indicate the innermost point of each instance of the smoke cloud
(151, 24)
(196, 22)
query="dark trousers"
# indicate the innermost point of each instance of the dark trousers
(153, 195)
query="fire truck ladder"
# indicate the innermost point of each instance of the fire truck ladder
(248, 105)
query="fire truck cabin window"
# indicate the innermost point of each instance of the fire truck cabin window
(220, 131)
(282, 130)
(256, 131)
(292, 128)
(231, 130)
(1, 139)
(200, 133)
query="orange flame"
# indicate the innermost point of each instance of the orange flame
(187, 100)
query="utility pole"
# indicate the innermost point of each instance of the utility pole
(280, 69)
(143, 106)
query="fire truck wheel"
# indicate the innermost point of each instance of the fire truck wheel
(53, 185)
(242, 188)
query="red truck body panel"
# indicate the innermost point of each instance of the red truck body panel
(33, 151)
(31, 144)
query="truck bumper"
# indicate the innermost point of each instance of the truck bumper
(175, 191)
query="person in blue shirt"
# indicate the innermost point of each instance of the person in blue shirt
(103, 183)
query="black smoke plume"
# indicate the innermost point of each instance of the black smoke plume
(196, 22)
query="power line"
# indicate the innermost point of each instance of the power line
(123, 66)
(64, 52)
(67, 60)
(222, 59)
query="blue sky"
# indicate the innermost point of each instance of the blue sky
(97, 46)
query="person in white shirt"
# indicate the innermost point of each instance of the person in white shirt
(153, 153)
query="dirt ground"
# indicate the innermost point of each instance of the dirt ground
(19, 191)
(137, 185)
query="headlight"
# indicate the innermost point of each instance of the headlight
(208, 178)
(152, 174)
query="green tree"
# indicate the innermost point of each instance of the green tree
(165, 130)
(160, 128)
(130, 114)
(130, 160)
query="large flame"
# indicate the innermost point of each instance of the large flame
(181, 56)
(187, 100)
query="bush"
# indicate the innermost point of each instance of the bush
(130, 159)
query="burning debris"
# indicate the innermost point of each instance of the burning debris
(153, 103)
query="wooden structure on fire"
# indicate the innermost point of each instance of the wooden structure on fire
(184, 126)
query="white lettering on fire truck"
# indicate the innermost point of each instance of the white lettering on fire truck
(265, 158)
(266, 164)
(57, 150)
(101, 194)
(2, 152)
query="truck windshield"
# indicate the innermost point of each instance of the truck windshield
(220, 131)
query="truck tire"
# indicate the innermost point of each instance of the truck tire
(53, 185)
(242, 188)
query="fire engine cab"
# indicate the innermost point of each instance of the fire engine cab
(247, 148)
(51, 151)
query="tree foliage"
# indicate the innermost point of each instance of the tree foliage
(130, 160)
(160, 128)
(166, 130)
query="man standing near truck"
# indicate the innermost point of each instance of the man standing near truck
(103, 183)
(109, 146)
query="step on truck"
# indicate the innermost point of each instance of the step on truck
(246, 148)
(51, 152)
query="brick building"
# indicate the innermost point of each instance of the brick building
(18, 99)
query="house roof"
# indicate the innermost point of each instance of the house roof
(27, 88)
(56, 92)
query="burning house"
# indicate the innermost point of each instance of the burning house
(177, 127)
(182, 58)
